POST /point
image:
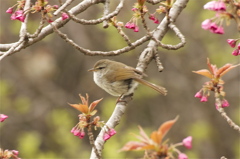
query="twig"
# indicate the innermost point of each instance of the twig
(144, 59)
(105, 13)
(103, 53)
(99, 20)
(154, 1)
(223, 113)
(67, 3)
(22, 34)
(38, 30)
(91, 140)
(158, 61)
(111, 123)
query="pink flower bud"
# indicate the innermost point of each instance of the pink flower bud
(219, 30)
(182, 156)
(225, 103)
(64, 16)
(81, 134)
(9, 10)
(206, 24)
(235, 52)
(3, 117)
(198, 94)
(238, 46)
(136, 29)
(204, 99)
(127, 25)
(112, 132)
(106, 136)
(187, 142)
(232, 42)
(15, 152)
(220, 6)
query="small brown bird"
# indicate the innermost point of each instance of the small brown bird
(119, 79)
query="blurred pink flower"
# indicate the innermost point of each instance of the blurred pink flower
(204, 99)
(182, 156)
(206, 24)
(64, 16)
(9, 10)
(187, 142)
(3, 117)
(232, 42)
(225, 103)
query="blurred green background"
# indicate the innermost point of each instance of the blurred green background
(37, 83)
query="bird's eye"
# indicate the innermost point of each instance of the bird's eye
(101, 68)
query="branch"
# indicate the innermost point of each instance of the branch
(58, 23)
(144, 60)
(99, 20)
(223, 113)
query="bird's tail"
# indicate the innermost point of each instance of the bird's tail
(159, 89)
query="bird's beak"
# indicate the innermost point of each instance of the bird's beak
(92, 70)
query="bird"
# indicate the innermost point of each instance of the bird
(119, 79)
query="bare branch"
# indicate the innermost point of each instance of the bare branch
(154, 1)
(103, 53)
(100, 20)
(106, 12)
(67, 3)
(144, 59)
(48, 29)
(223, 113)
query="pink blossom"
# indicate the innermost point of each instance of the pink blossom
(55, 6)
(3, 117)
(106, 136)
(198, 94)
(220, 6)
(15, 152)
(134, 9)
(238, 46)
(232, 42)
(127, 25)
(182, 156)
(187, 142)
(18, 15)
(215, 6)
(210, 5)
(78, 132)
(204, 99)
(156, 21)
(225, 103)
(219, 30)
(136, 29)
(9, 10)
(132, 26)
(64, 16)
(206, 24)
(81, 135)
(213, 27)
(153, 18)
(235, 52)
(112, 132)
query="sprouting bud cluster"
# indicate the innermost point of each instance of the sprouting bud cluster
(40, 6)
(154, 145)
(7, 154)
(215, 84)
